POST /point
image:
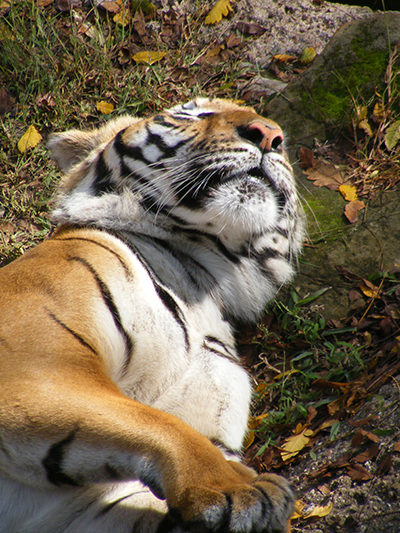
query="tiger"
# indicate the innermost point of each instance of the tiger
(124, 403)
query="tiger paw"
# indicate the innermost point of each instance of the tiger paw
(261, 506)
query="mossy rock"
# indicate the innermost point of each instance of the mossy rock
(321, 100)
(316, 105)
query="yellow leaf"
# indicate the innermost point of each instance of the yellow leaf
(261, 387)
(361, 113)
(104, 107)
(148, 57)
(123, 17)
(320, 510)
(221, 9)
(378, 110)
(368, 289)
(215, 51)
(284, 58)
(29, 139)
(249, 439)
(308, 55)
(256, 421)
(286, 374)
(298, 510)
(349, 192)
(364, 125)
(303, 511)
(295, 444)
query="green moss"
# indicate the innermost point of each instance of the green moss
(324, 224)
(334, 96)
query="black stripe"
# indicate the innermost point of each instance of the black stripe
(221, 446)
(173, 307)
(74, 333)
(226, 352)
(53, 462)
(102, 183)
(107, 508)
(85, 239)
(109, 301)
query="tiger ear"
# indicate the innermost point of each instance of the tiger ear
(71, 147)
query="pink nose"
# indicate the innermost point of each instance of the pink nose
(271, 138)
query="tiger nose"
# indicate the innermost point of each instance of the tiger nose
(268, 138)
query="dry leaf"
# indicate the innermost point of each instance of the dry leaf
(308, 55)
(378, 110)
(232, 41)
(306, 158)
(248, 440)
(325, 175)
(123, 17)
(111, 7)
(29, 139)
(148, 57)
(369, 289)
(396, 446)
(256, 421)
(367, 455)
(364, 125)
(215, 51)
(221, 9)
(251, 28)
(284, 58)
(361, 113)
(349, 192)
(295, 444)
(104, 107)
(358, 473)
(351, 210)
(6, 102)
(301, 511)
(385, 465)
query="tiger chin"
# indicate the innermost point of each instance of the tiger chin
(123, 403)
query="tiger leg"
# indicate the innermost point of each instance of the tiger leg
(79, 430)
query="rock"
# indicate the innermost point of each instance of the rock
(315, 106)
(354, 62)
(291, 25)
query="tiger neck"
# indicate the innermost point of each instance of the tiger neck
(194, 264)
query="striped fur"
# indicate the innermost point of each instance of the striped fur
(123, 402)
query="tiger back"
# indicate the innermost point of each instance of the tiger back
(123, 402)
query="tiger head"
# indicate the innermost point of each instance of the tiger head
(209, 165)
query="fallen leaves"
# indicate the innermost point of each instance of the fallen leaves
(325, 174)
(29, 139)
